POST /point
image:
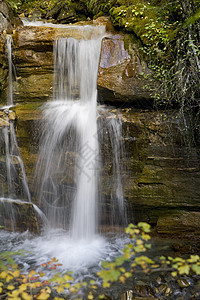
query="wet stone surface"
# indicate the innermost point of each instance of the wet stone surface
(160, 173)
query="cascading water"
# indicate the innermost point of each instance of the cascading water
(13, 181)
(13, 175)
(69, 163)
(10, 72)
(76, 136)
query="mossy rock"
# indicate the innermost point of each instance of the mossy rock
(60, 11)
(19, 216)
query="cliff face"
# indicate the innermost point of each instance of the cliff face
(8, 22)
(8, 19)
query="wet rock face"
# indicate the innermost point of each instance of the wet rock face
(162, 177)
(8, 22)
(5, 21)
(5, 117)
(18, 216)
(180, 222)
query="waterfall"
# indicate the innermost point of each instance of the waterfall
(12, 167)
(10, 72)
(69, 162)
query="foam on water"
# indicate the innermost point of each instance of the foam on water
(81, 257)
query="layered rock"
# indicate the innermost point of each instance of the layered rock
(163, 174)
(160, 172)
(122, 76)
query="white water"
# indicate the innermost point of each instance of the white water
(44, 23)
(10, 73)
(14, 172)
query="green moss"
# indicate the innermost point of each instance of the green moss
(28, 106)
(100, 7)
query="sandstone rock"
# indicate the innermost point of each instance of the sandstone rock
(12, 115)
(4, 122)
(6, 116)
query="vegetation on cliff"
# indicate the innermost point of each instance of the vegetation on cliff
(168, 32)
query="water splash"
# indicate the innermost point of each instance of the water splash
(10, 73)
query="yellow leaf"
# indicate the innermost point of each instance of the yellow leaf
(106, 284)
(26, 296)
(1, 290)
(43, 296)
(68, 277)
(54, 259)
(184, 269)
(90, 296)
(36, 284)
(60, 289)
(24, 280)
(15, 293)
(122, 279)
(22, 287)
(48, 290)
(58, 298)
(14, 298)
(10, 287)
(16, 273)
(3, 275)
(9, 278)
(31, 273)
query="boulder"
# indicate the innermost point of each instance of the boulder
(123, 72)
(19, 216)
